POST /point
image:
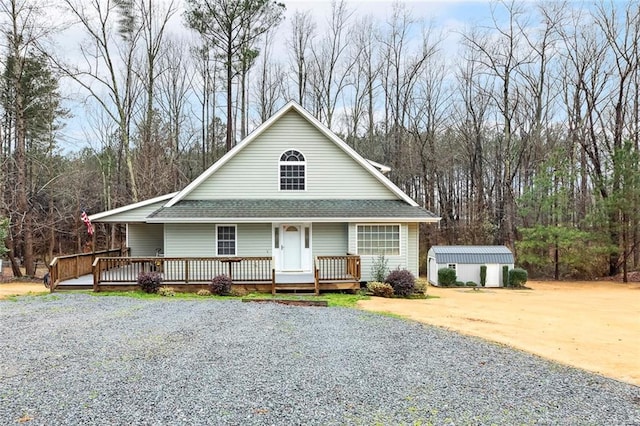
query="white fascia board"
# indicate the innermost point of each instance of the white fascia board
(383, 169)
(129, 207)
(297, 220)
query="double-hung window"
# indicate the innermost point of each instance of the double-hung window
(226, 240)
(293, 170)
(378, 240)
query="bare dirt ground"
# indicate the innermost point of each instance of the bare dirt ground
(8, 289)
(590, 325)
(15, 288)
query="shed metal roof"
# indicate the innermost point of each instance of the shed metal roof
(472, 254)
(250, 210)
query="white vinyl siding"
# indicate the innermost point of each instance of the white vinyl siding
(190, 240)
(413, 258)
(254, 239)
(144, 239)
(254, 173)
(199, 240)
(330, 239)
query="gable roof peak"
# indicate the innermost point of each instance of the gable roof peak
(292, 105)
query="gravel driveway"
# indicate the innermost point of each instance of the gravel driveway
(81, 359)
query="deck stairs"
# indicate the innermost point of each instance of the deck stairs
(292, 282)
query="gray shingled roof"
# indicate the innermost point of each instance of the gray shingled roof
(290, 209)
(472, 254)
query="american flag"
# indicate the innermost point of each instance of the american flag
(87, 221)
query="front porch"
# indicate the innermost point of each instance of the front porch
(253, 274)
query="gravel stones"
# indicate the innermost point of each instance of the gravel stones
(81, 359)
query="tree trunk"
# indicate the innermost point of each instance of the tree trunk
(15, 268)
(21, 164)
(229, 99)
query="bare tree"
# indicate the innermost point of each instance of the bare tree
(503, 52)
(471, 116)
(363, 80)
(428, 118)
(299, 43)
(331, 64)
(402, 70)
(115, 89)
(151, 19)
(269, 89)
(174, 88)
(232, 27)
(24, 32)
(207, 78)
(622, 35)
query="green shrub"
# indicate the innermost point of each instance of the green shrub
(203, 292)
(459, 283)
(505, 276)
(380, 289)
(517, 277)
(220, 285)
(402, 281)
(471, 284)
(446, 277)
(483, 275)
(166, 291)
(149, 282)
(421, 286)
(238, 292)
(379, 269)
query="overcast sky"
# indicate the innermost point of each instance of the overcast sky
(445, 17)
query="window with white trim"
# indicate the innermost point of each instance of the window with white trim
(378, 240)
(226, 240)
(293, 170)
(451, 266)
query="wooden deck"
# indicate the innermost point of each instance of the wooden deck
(249, 274)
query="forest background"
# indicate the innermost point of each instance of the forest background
(518, 127)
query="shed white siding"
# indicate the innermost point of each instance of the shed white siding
(254, 172)
(144, 239)
(467, 271)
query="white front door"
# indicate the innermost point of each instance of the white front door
(291, 248)
(493, 275)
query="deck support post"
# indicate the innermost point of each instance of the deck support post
(273, 281)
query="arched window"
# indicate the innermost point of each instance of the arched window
(292, 171)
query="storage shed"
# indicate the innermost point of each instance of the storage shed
(467, 260)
